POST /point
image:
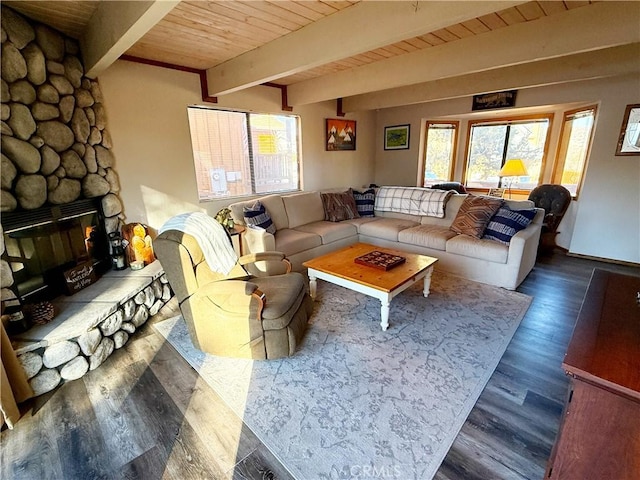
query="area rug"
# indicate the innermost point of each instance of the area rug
(359, 402)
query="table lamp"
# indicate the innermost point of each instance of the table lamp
(512, 168)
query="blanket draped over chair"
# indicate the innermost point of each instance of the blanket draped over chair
(412, 201)
(211, 237)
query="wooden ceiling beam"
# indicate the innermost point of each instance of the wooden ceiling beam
(361, 28)
(602, 25)
(610, 62)
(115, 27)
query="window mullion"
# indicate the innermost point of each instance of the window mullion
(505, 148)
(250, 147)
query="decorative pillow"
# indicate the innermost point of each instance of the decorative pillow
(365, 201)
(257, 216)
(506, 223)
(339, 206)
(474, 215)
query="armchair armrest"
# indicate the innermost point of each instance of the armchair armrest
(265, 263)
(231, 296)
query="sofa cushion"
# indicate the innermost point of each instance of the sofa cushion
(330, 231)
(386, 228)
(275, 207)
(365, 202)
(430, 236)
(257, 216)
(474, 215)
(478, 248)
(303, 208)
(284, 294)
(356, 222)
(506, 223)
(339, 206)
(290, 242)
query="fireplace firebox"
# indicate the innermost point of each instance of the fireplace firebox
(42, 244)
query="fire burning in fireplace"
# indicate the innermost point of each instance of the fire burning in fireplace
(43, 244)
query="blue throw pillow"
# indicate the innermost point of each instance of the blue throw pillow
(257, 216)
(506, 223)
(365, 202)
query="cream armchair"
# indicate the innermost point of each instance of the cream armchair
(259, 310)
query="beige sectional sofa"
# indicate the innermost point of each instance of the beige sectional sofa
(302, 233)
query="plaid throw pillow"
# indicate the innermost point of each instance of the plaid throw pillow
(474, 215)
(365, 202)
(506, 223)
(256, 216)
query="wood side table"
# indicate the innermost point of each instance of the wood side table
(236, 238)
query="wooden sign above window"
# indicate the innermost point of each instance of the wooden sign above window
(489, 101)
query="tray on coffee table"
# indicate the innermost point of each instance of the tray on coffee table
(380, 260)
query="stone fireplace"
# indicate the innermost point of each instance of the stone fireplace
(59, 201)
(56, 151)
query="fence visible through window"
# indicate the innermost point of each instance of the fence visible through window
(238, 154)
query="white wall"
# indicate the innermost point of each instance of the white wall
(147, 114)
(605, 220)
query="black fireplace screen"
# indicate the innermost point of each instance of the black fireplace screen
(41, 245)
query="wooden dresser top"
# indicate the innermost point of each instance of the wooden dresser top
(605, 346)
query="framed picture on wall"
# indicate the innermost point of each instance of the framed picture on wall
(341, 134)
(629, 139)
(396, 137)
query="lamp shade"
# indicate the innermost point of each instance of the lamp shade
(513, 168)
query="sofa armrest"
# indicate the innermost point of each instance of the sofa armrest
(256, 240)
(525, 244)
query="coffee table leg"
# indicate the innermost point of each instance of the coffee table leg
(384, 314)
(427, 282)
(313, 285)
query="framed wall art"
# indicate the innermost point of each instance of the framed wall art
(629, 139)
(489, 101)
(341, 134)
(396, 137)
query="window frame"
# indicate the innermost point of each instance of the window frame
(251, 159)
(454, 151)
(507, 121)
(558, 164)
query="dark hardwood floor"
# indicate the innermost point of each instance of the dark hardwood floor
(146, 414)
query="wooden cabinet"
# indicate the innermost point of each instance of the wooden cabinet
(599, 435)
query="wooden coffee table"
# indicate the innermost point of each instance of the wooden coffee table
(340, 268)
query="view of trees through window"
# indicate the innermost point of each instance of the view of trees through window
(573, 150)
(492, 144)
(440, 150)
(237, 153)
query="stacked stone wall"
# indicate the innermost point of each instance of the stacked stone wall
(55, 144)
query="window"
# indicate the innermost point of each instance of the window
(238, 153)
(573, 150)
(491, 144)
(440, 151)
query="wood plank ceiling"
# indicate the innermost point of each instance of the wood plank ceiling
(201, 35)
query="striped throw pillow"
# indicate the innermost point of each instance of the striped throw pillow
(365, 202)
(256, 216)
(506, 223)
